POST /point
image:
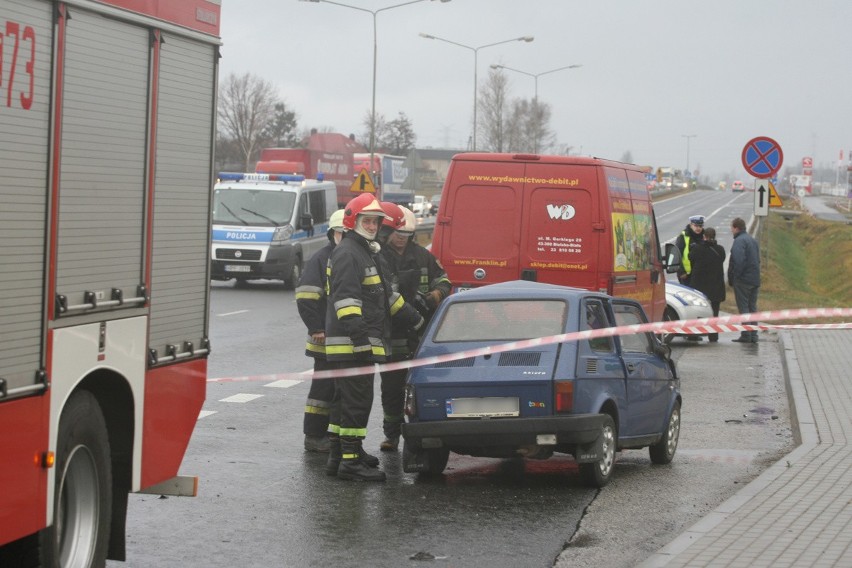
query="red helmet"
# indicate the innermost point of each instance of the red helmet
(395, 218)
(364, 204)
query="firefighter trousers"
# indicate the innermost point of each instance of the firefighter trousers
(393, 400)
(353, 400)
(318, 404)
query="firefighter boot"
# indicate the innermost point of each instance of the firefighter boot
(352, 466)
(368, 459)
(391, 441)
(334, 455)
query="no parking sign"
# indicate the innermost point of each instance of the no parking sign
(762, 157)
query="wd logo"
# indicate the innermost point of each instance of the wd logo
(563, 212)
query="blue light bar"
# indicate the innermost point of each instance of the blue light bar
(250, 176)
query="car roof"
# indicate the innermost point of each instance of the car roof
(522, 289)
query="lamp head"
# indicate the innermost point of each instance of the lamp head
(526, 38)
(427, 36)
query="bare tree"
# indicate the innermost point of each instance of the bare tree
(246, 108)
(492, 112)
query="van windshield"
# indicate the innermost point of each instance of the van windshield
(253, 207)
(502, 320)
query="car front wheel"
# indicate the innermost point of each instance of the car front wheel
(598, 474)
(663, 451)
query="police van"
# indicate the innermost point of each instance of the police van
(266, 225)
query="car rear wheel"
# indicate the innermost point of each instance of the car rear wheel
(663, 452)
(598, 474)
(427, 462)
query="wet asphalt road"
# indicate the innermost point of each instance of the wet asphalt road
(263, 501)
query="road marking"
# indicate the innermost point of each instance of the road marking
(283, 384)
(242, 397)
(205, 413)
(231, 313)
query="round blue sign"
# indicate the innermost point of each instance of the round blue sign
(762, 157)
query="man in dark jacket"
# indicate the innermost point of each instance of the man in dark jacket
(357, 335)
(708, 274)
(423, 283)
(311, 303)
(744, 275)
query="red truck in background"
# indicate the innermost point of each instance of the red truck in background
(388, 173)
(104, 285)
(326, 156)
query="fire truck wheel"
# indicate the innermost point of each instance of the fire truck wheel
(83, 488)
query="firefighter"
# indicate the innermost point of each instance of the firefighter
(423, 283)
(357, 335)
(311, 303)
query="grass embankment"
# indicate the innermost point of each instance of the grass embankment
(806, 263)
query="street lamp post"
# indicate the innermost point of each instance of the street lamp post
(475, 51)
(688, 136)
(535, 76)
(374, 13)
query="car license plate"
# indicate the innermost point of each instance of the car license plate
(237, 268)
(489, 407)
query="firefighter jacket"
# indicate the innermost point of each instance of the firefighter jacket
(361, 305)
(418, 276)
(311, 298)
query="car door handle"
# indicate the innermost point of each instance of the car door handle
(631, 367)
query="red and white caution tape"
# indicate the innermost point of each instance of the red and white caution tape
(722, 324)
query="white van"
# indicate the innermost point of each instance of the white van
(421, 206)
(266, 225)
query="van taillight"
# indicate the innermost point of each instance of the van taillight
(564, 396)
(604, 285)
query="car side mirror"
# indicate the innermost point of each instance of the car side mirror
(306, 222)
(673, 259)
(662, 350)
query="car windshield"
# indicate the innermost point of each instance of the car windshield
(501, 320)
(256, 207)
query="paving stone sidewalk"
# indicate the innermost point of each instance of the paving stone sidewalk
(799, 511)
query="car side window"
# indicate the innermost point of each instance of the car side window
(626, 314)
(596, 319)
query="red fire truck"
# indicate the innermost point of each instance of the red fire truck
(104, 281)
(326, 156)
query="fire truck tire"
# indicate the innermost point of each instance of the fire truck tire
(80, 532)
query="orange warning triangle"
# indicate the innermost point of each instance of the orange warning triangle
(774, 200)
(363, 183)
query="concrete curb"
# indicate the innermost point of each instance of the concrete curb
(805, 434)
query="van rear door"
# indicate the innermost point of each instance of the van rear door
(478, 232)
(562, 226)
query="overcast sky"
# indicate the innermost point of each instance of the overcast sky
(652, 71)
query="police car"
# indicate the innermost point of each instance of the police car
(587, 398)
(266, 225)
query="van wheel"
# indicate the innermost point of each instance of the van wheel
(663, 451)
(599, 473)
(292, 280)
(83, 488)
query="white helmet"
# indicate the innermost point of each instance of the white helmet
(335, 222)
(410, 220)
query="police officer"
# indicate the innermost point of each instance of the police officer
(311, 303)
(689, 236)
(357, 335)
(423, 283)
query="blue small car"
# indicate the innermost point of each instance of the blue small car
(587, 398)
